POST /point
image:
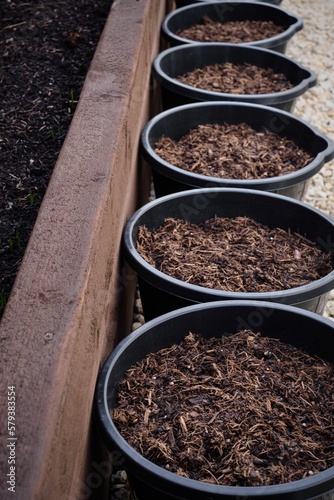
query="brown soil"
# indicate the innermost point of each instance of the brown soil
(231, 78)
(233, 151)
(46, 48)
(241, 410)
(231, 31)
(233, 254)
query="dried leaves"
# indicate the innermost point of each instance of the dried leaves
(236, 79)
(231, 31)
(233, 254)
(233, 151)
(238, 410)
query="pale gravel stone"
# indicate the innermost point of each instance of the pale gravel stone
(139, 307)
(136, 325)
(120, 477)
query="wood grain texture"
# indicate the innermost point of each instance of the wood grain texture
(67, 303)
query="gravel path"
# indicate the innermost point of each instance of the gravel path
(313, 47)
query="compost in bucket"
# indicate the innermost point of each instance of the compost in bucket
(232, 78)
(240, 410)
(233, 151)
(231, 31)
(235, 254)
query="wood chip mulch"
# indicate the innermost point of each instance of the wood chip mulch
(240, 410)
(46, 48)
(231, 78)
(233, 151)
(231, 31)
(233, 254)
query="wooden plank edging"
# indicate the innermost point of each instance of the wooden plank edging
(61, 320)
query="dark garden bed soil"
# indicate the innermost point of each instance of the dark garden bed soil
(233, 254)
(231, 31)
(45, 51)
(235, 78)
(233, 151)
(240, 410)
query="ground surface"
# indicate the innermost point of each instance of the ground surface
(45, 51)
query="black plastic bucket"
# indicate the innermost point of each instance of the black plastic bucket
(179, 60)
(302, 329)
(183, 3)
(161, 293)
(176, 122)
(190, 15)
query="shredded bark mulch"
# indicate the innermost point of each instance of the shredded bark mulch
(233, 151)
(45, 51)
(231, 78)
(233, 254)
(231, 31)
(240, 410)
